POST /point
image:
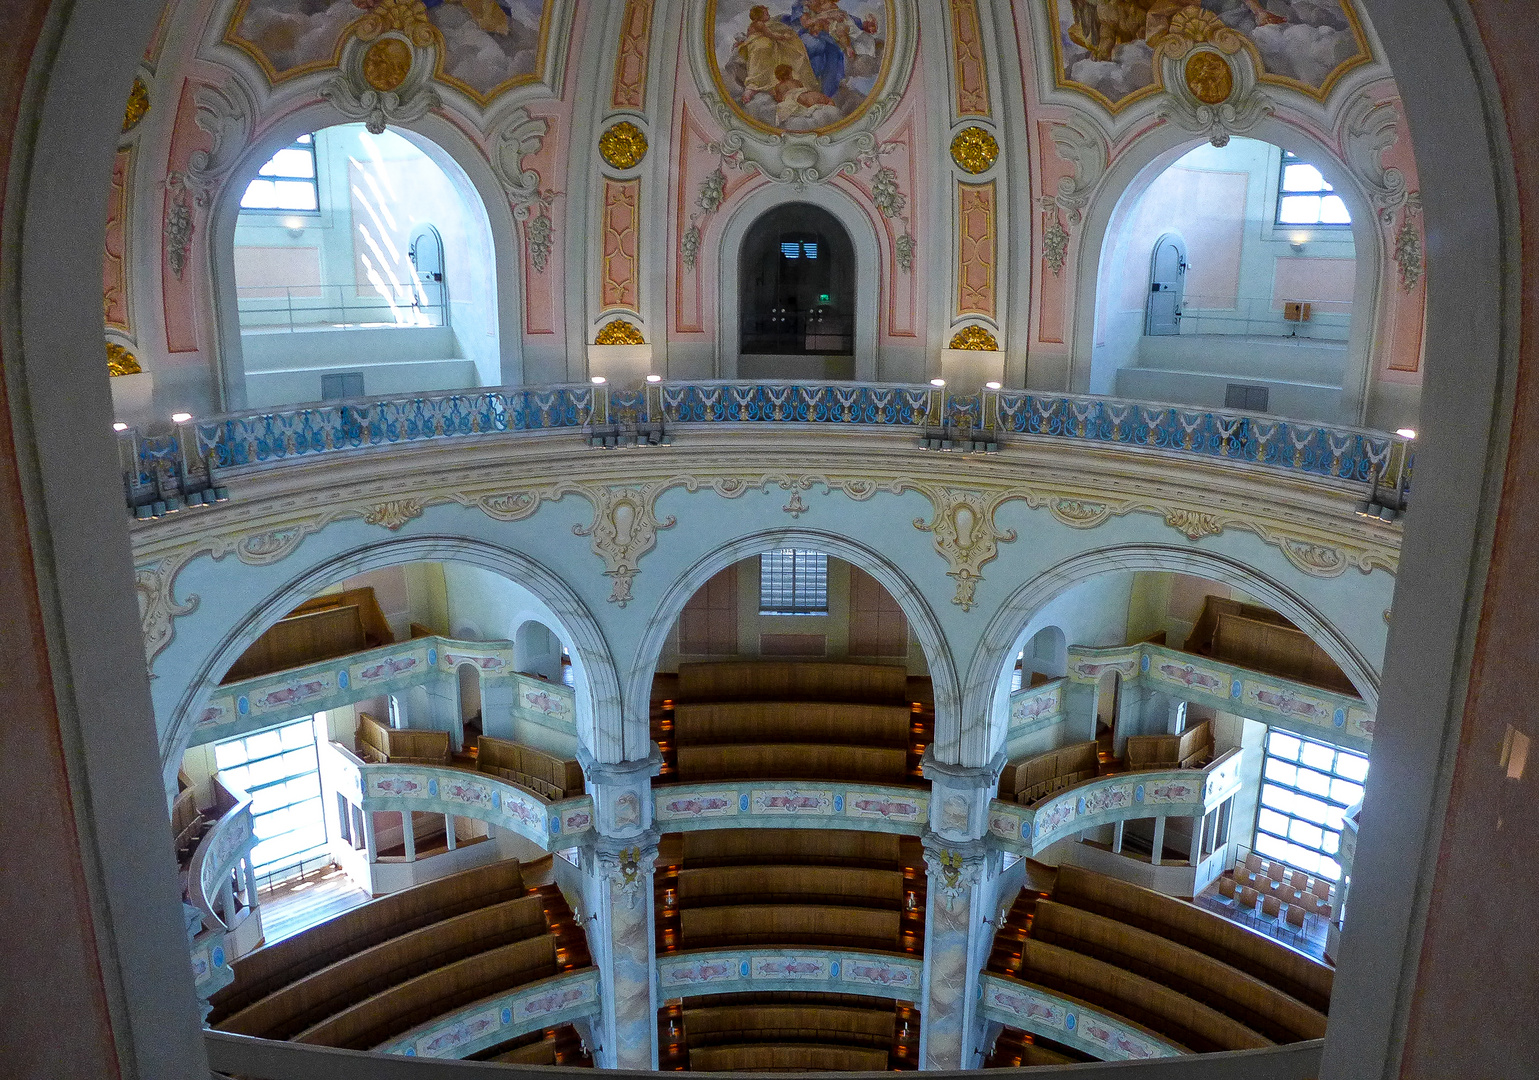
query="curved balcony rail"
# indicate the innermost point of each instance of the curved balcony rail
(215, 861)
(761, 970)
(783, 804)
(1102, 1035)
(186, 467)
(264, 1059)
(559, 999)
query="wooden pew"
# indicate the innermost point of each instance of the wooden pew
(1189, 750)
(792, 721)
(789, 925)
(766, 761)
(350, 980)
(269, 968)
(792, 680)
(544, 774)
(1035, 778)
(1143, 1001)
(542, 1052)
(787, 1057)
(845, 1025)
(390, 1012)
(808, 847)
(1292, 972)
(1251, 1001)
(378, 743)
(781, 884)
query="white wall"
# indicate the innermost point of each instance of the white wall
(1222, 203)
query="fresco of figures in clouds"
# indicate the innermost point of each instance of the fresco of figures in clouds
(799, 65)
(486, 43)
(1105, 43)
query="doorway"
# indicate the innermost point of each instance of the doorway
(797, 302)
(1167, 286)
(426, 253)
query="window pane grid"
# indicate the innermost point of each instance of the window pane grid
(287, 181)
(279, 770)
(793, 582)
(1305, 792)
(1305, 197)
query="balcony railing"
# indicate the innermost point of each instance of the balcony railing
(164, 472)
(269, 308)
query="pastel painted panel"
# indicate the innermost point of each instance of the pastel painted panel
(887, 807)
(618, 274)
(115, 278)
(791, 968)
(1329, 284)
(976, 249)
(690, 806)
(698, 972)
(787, 801)
(972, 82)
(630, 85)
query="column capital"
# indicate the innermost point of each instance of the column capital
(960, 796)
(627, 863)
(622, 793)
(954, 866)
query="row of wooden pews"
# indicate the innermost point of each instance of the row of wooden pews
(381, 969)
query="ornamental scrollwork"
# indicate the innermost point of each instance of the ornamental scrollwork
(137, 106)
(120, 361)
(394, 514)
(619, 332)
(624, 528)
(973, 339)
(965, 534)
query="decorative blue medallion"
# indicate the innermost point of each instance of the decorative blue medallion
(1069, 1021)
(1138, 793)
(218, 956)
(1080, 809)
(1339, 718)
(1025, 830)
(433, 788)
(243, 704)
(833, 970)
(496, 800)
(742, 969)
(1235, 689)
(410, 1051)
(507, 1016)
(342, 679)
(742, 803)
(839, 799)
(432, 657)
(1143, 664)
(555, 825)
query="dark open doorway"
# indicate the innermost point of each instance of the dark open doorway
(798, 283)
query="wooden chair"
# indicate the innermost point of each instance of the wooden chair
(1275, 871)
(1248, 897)
(1271, 907)
(1299, 880)
(1253, 863)
(1321, 888)
(1226, 887)
(1320, 907)
(1296, 916)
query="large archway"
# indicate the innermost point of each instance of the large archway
(796, 296)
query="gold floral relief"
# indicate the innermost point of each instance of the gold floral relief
(407, 17)
(1209, 77)
(387, 63)
(138, 104)
(623, 146)
(619, 332)
(974, 150)
(974, 339)
(121, 362)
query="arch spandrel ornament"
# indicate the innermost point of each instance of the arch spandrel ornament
(810, 135)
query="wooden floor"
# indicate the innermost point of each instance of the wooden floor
(302, 903)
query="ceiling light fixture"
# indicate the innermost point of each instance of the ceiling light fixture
(119, 426)
(597, 380)
(937, 382)
(1406, 433)
(994, 385)
(180, 417)
(654, 378)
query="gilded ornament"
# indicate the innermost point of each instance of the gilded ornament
(392, 515)
(120, 361)
(974, 150)
(623, 146)
(1209, 78)
(974, 339)
(387, 63)
(619, 332)
(138, 105)
(407, 17)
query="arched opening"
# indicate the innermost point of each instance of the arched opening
(1230, 279)
(797, 296)
(1046, 656)
(364, 265)
(468, 679)
(538, 650)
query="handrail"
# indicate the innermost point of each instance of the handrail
(265, 1059)
(197, 454)
(1095, 1031)
(866, 972)
(547, 1002)
(215, 858)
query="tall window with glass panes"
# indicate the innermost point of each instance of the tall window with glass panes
(1306, 789)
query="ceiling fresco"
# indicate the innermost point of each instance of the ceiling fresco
(1108, 48)
(485, 46)
(799, 65)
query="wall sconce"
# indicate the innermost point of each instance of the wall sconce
(1297, 241)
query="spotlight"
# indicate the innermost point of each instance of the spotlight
(597, 380)
(937, 382)
(1406, 433)
(180, 417)
(993, 385)
(654, 378)
(119, 426)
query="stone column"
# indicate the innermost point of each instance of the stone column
(618, 871)
(443, 696)
(499, 697)
(408, 836)
(962, 894)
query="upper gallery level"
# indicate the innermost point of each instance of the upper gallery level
(1214, 207)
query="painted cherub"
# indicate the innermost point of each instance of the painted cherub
(788, 86)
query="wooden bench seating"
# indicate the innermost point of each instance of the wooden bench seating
(539, 772)
(274, 966)
(1046, 774)
(1292, 972)
(787, 1057)
(767, 884)
(792, 680)
(793, 721)
(1171, 1013)
(350, 980)
(806, 847)
(717, 1024)
(768, 761)
(378, 743)
(368, 1023)
(795, 925)
(1253, 1002)
(540, 1052)
(1189, 750)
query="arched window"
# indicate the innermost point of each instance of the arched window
(797, 304)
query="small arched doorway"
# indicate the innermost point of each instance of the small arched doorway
(1167, 286)
(797, 296)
